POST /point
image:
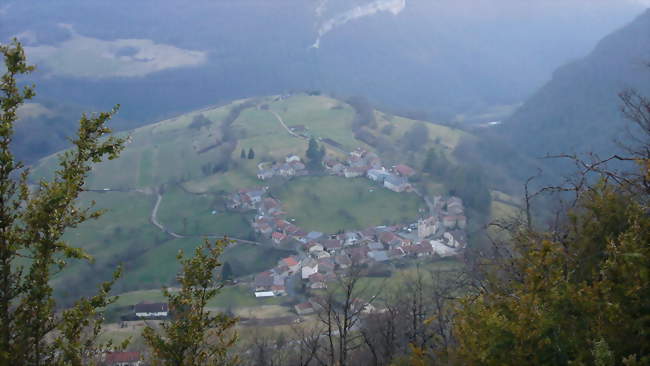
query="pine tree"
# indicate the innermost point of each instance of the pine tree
(251, 154)
(32, 225)
(243, 154)
(226, 272)
(194, 336)
(314, 155)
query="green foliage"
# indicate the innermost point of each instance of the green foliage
(226, 272)
(194, 336)
(416, 137)
(315, 155)
(199, 121)
(243, 154)
(554, 297)
(251, 154)
(32, 251)
(435, 164)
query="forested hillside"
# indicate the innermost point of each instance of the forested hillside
(578, 110)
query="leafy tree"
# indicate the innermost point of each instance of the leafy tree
(415, 138)
(194, 336)
(32, 249)
(435, 164)
(243, 154)
(199, 121)
(251, 154)
(555, 299)
(579, 292)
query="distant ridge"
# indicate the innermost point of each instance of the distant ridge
(578, 110)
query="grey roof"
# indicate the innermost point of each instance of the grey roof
(395, 180)
(379, 255)
(314, 235)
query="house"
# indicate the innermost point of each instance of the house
(353, 172)
(373, 160)
(358, 153)
(320, 254)
(297, 166)
(396, 184)
(396, 253)
(461, 221)
(285, 170)
(373, 245)
(378, 255)
(304, 308)
(332, 245)
(455, 206)
(317, 280)
(314, 235)
(264, 294)
(122, 359)
(359, 255)
(350, 238)
(279, 290)
(265, 174)
(343, 261)
(326, 265)
(314, 247)
(151, 310)
(298, 128)
(263, 281)
(309, 267)
(404, 170)
(420, 250)
(270, 206)
(443, 250)
(377, 175)
(427, 227)
(452, 221)
(278, 237)
(292, 158)
(265, 229)
(291, 263)
(390, 239)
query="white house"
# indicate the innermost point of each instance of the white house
(264, 294)
(151, 310)
(292, 158)
(395, 183)
(309, 267)
(378, 175)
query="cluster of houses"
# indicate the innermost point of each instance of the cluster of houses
(362, 163)
(291, 167)
(441, 234)
(246, 198)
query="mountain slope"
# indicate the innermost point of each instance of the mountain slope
(176, 173)
(578, 110)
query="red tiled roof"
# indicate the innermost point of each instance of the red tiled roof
(404, 170)
(290, 261)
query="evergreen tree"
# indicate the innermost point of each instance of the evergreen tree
(194, 336)
(243, 154)
(226, 272)
(251, 153)
(314, 155)
(32, 224)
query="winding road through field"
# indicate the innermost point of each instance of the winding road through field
(163, 228)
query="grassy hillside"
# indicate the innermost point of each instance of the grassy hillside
(182, 160)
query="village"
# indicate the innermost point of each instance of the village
(323, 255)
